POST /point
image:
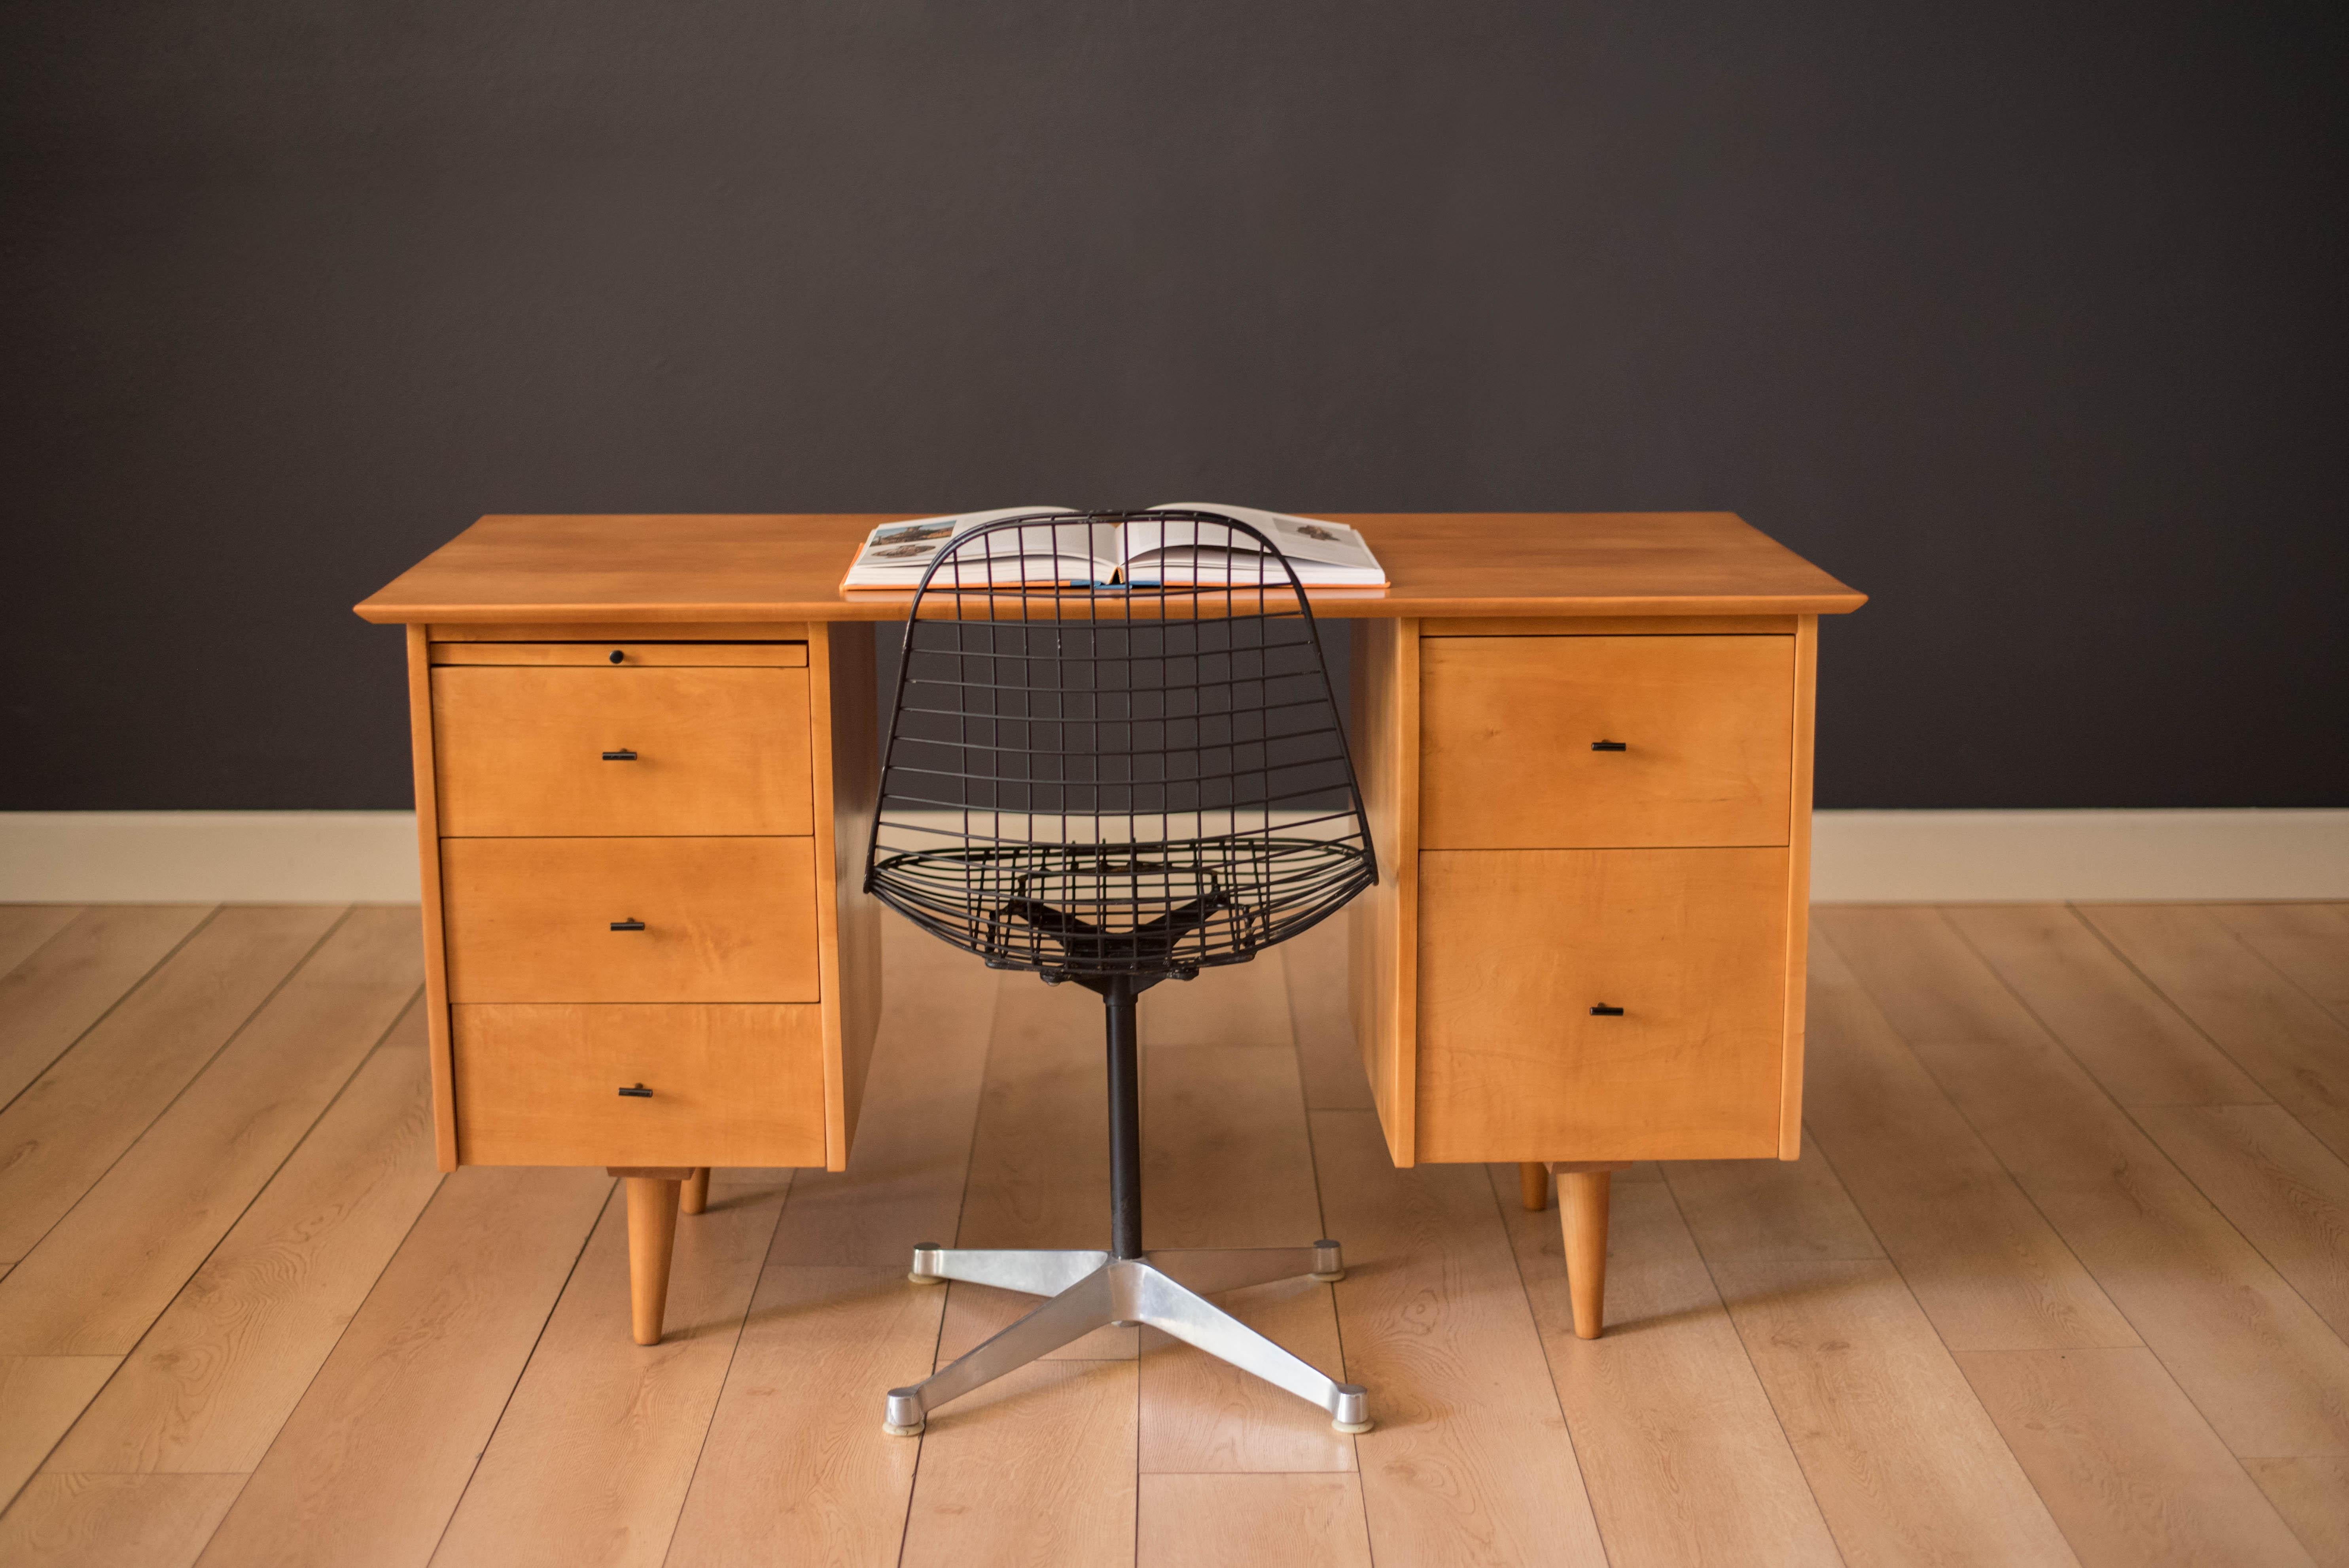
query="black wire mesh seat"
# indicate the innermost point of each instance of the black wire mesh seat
(1117, 785)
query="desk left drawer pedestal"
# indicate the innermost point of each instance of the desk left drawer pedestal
(646, 945)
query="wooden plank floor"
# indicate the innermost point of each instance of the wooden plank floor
(2062, 1277)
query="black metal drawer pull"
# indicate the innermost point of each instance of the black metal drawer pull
(628, 925)
(617, 655)
(1603, 1011)
(623, 755)
(639, 1092)
(1609, 745)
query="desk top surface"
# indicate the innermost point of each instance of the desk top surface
(787, 567)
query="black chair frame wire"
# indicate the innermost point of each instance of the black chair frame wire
(1117, 785)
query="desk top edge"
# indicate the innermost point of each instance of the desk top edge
(649, 568)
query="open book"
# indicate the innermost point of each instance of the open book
(1140, 552)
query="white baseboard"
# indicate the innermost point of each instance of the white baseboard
(208, 857)
(2030, 857)
(1858, 857)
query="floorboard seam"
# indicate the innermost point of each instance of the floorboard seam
(181, 1093)
(962, 1201)
(585, 1239)
(741, 1326)
(127, 991)
(2128, 1114)
(2146, 1345)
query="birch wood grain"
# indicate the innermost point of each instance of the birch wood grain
(1251, 1521)
(2264, 1368)
(2308, 943)
(370, 1465)
(77, 1118)
(1470, 1461)
(25, 927)
(2127, 1465)
(2142, 1049)
(1227, 1161)
(66, 984)
(158, 1212)
(2278, 1035)
(114, 1520)
(209, 1386)
(40, 1397)
(1907, 1465)
(1666, 1396)
(590, 1459)
(1978, 1254)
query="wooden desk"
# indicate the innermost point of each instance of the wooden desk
(645, 764)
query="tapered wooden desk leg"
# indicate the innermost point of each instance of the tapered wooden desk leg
(652, 1235)
(1533, 1181)
(695, 1195)
(1582, 1211)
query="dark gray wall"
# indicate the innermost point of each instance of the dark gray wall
(2028, 320)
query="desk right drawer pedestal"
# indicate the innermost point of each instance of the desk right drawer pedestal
(1586, 947)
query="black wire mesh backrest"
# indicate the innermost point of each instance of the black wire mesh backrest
(1096, 780)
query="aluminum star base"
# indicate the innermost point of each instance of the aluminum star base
(1094, 1290)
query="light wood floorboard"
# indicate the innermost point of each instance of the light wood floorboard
(1685, 1460)
(795, 1451)
(2285, 1192)
(2308, 943)
(77, 1116)
(210, 1384)
(992, 1486)
(1228, 1162)
(1034, 1471)
(1040, 1158)
(1470, 1461)
(39, 1398)
(2128, 1467)
(1980, 1257)
(2143, 1050)
(590, 1461)
(370, 1464)
(1230, 1004)
(2033, 1130)
(25, 927)
(1905, 1464)
(2274, 1031)
(2262, 1366)
(1326, 1055)
(55, 993)
(2312, 1495)
(114, 1520)
(1222, 1520)
(162, 1207)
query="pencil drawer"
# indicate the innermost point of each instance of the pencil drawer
(1601, 1003)
(588, 748)
(1573, 742)
(706, 1085)
(629, 920)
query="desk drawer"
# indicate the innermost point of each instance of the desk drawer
(1516, 947)
(728, 1085)
(1705, 724)
(524, 750)
(725, 919)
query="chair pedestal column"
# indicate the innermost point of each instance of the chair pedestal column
(1089, 1290)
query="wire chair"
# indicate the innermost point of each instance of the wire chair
(1117, 785)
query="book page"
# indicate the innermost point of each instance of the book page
(1320, 552)
(897, 554)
